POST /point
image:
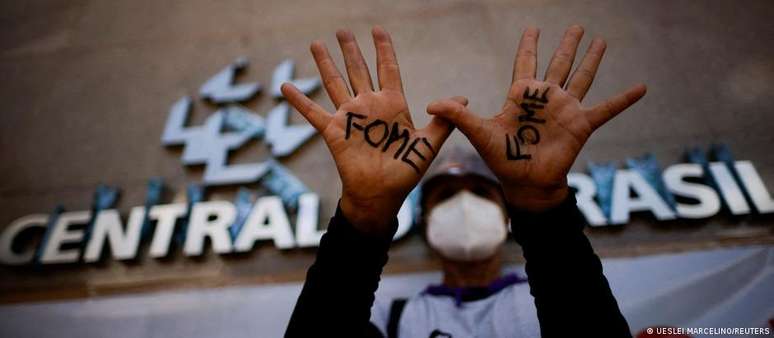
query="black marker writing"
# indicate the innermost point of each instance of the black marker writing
(378, 131)
(523, 132)
(427, 144)
(531, 104)
(350, 124)
(412, 149)
(397, 134)
(527, 134)
(534, 96)
(367, 132)
(530, 109)
(509, 152)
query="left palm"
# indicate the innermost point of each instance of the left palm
(379, 154)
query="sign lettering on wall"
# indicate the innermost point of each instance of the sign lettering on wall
(607, 195)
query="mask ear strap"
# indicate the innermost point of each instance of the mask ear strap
(396, 309)
(424, 214)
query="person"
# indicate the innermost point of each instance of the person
(529, 146)
(463, 220)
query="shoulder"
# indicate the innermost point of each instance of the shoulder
(380, 313)
(518, 306)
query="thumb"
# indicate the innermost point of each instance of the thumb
(455, 110)
(439, 129)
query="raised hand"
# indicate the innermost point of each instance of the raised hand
(379, 154)
(532, 143)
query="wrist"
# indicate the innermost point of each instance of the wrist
(535, 199)
(371, 217)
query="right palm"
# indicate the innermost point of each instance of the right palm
(532, 143)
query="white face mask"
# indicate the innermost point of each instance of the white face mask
(466, 227)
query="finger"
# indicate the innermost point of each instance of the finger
(525, 64)
(316, 115)
(439, 129)
(356, 65)
(332, 80)
(460, 99)
(581, 79)
(455, 111)
(605, 111)
(561, 62)
(386, 63)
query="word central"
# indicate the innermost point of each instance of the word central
(379, 134)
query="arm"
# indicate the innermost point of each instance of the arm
(571, 293)
(339, 288)
(530, 146)
(380, 157)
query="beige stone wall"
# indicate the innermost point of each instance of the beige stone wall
(86, 86)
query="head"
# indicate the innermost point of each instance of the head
(463, 210)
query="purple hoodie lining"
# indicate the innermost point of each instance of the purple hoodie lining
(467, 294)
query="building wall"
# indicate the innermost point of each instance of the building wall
(87, 86)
